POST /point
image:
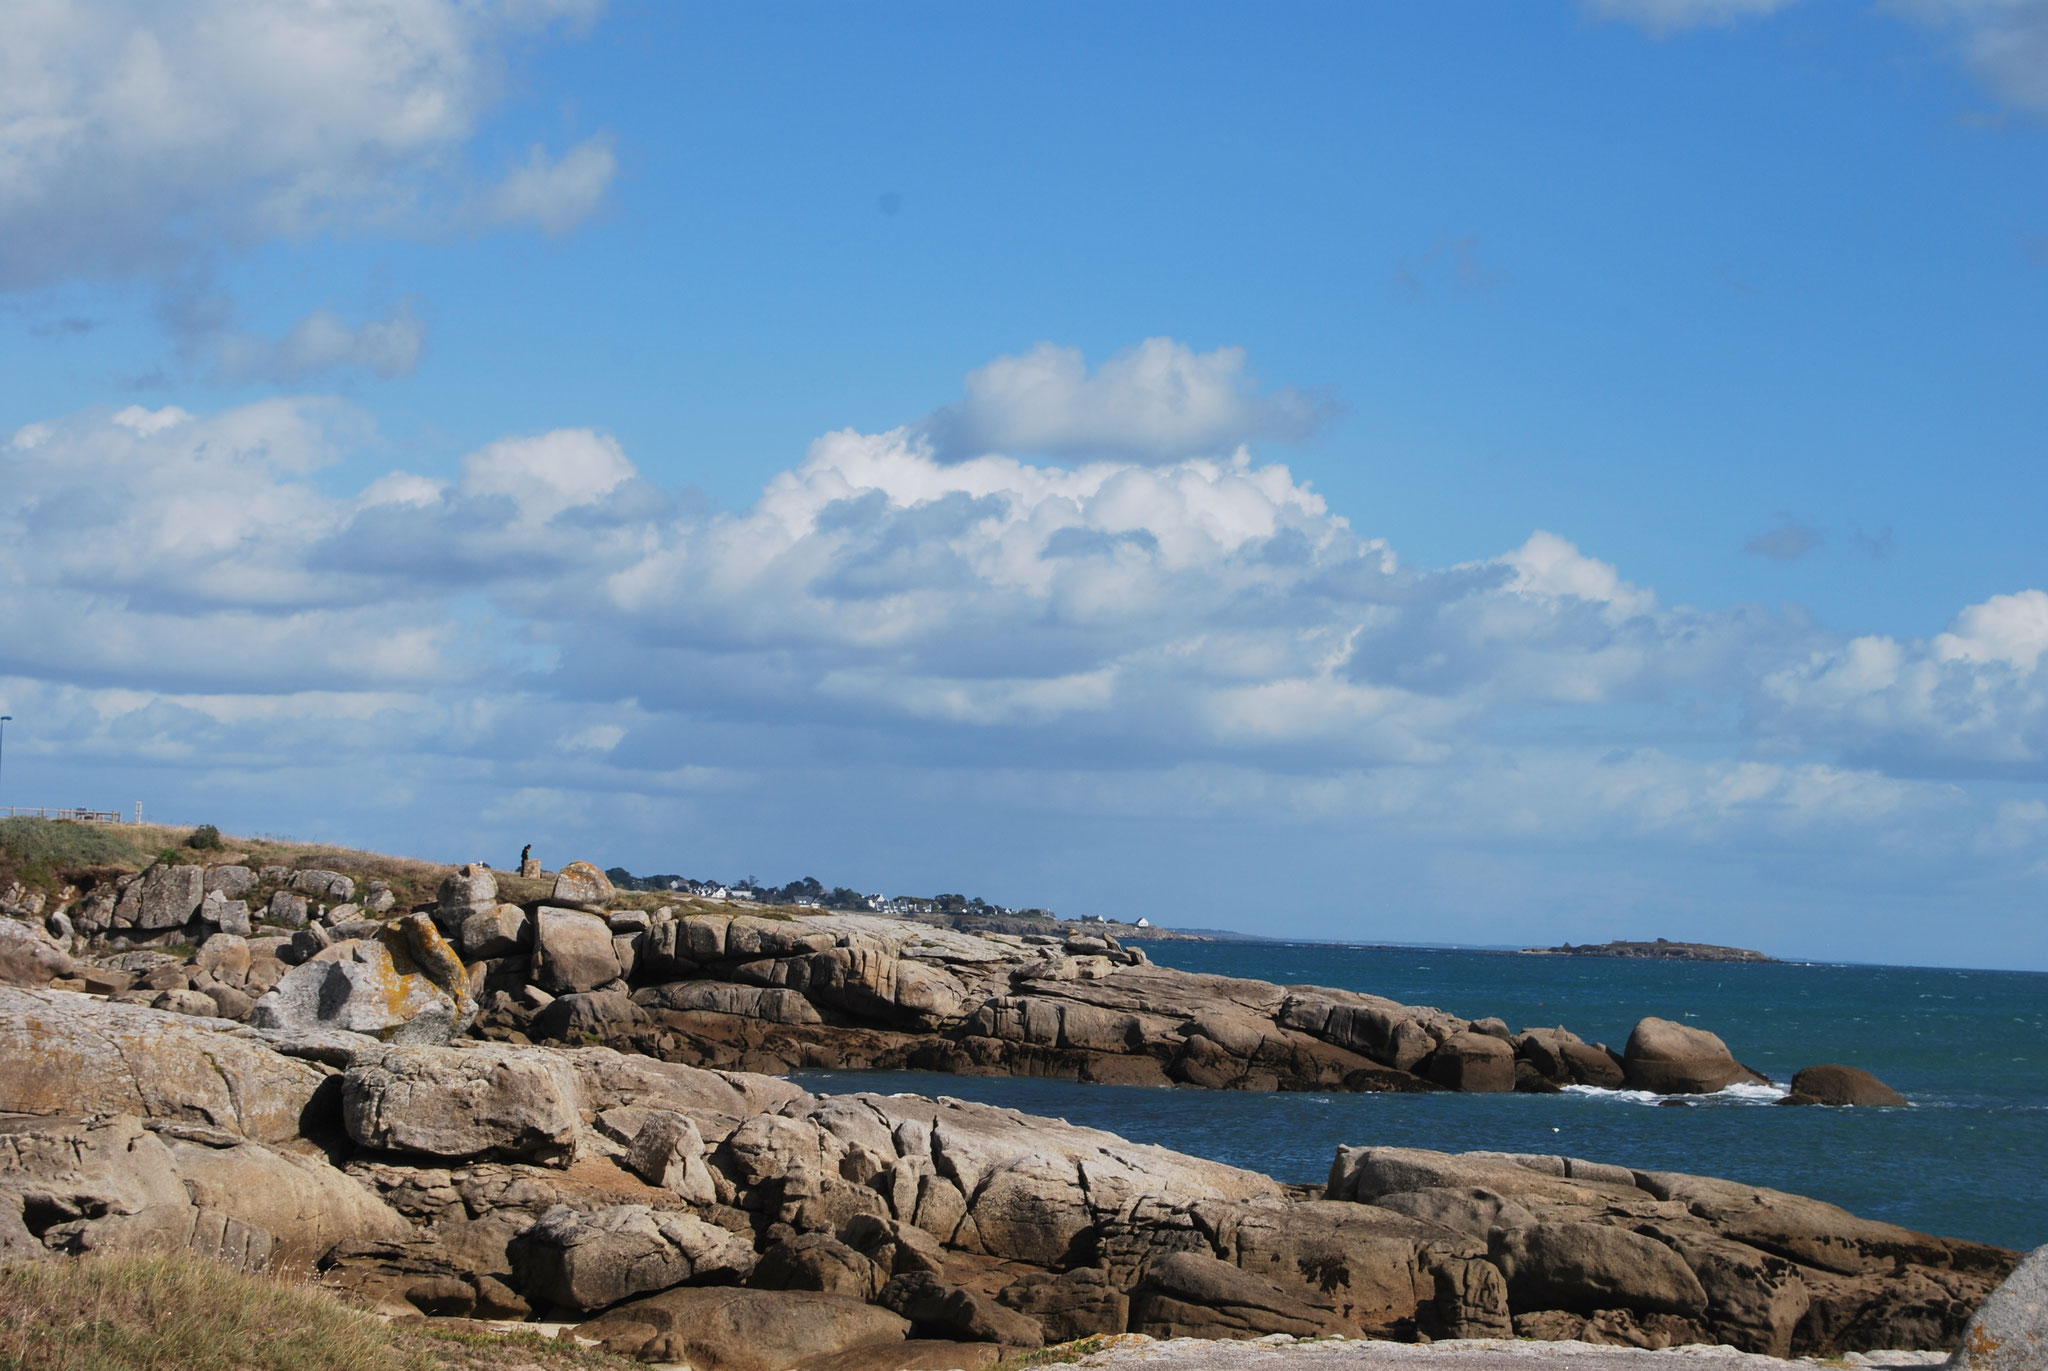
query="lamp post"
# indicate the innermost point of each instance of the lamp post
(5, 719)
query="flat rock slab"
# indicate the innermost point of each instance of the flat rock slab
(1468, 1354)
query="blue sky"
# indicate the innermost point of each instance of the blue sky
(1481, 472)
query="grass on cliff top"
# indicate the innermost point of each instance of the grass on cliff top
(44, 853)
(128, 1313)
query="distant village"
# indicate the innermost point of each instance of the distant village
(810, 893)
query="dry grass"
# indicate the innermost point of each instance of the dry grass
(128, 1313)
(1061, 1354)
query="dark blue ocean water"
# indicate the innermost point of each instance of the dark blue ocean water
(1969, 1048)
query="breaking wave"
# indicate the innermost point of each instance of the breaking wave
(1742, 1092)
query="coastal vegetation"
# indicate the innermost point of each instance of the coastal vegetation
(177, 1312)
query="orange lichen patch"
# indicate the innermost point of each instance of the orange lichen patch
(1980, 1347)
(407, 990)
(434, 956)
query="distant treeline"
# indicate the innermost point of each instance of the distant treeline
(810, 892)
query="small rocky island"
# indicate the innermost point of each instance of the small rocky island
(460, 1094)
(1663, 949)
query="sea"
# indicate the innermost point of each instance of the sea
(1969, 1049)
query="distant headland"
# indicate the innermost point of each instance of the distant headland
(1661, 950)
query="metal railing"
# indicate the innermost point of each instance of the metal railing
(76, 816)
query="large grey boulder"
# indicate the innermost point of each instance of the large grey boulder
(1377, 1270)
(1080, 1303)
(724, 997)
(579, 885)
(589, 1261)
(1673, 1059)
(28, 957)
(1563, 1057)
(819, 1261)
(1590, 1266)
(286, 909)
(196, 1003)
(464, 1102)
(725, 1329)
(1476, 1062)
(230, 882)
(937, 1309)
(110, 1184)
(323, 885)
(72, 1054)
(225, 957)
(668, 1151)
(1194, 1295)
(589, 1015)
(572, 951)
(164, 897)
(229, 916)
(374, 986)
(499, 930)
(2009, 1331)
(467, 891)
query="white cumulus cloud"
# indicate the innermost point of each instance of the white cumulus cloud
(1159, 401)
(1197, 642)
(135, 135)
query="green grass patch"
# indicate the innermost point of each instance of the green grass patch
(165, 1313)
(42, 848)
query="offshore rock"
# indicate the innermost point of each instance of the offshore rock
(1842, 1085)
(1672, 1059)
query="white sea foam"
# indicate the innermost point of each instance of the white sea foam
(1742, 1092)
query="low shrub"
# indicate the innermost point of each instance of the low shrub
(205, 837)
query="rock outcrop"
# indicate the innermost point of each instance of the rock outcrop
(1676, 1059)
(732, 1219)
(403, 983)
(759, 989)
(1694, 1257)
(863, 992)
(29, 956)
(1842, 1085)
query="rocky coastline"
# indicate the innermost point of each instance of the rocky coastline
(1662, 950)
(568, 1108)
(733, 1219)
